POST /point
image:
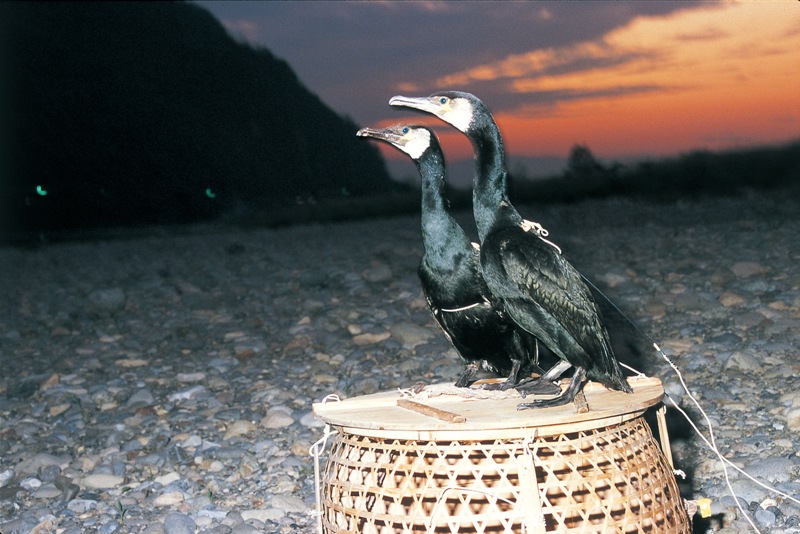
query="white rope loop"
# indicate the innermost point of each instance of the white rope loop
(540, 231)
(316, 451)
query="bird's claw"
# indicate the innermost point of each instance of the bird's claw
(498, 386)
(537, 387)
(544, 403)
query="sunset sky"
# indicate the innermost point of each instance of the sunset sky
(628, 79)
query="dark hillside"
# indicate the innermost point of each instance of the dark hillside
(149, 113)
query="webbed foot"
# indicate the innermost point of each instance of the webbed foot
(564, 398)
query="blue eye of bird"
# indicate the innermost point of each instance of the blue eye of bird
(443, 100)
(405, 130)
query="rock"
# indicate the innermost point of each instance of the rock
(409, 335)
(80, 506)
(170, 498)
(362, 340)
(774, 470)
(47, 491)
(288, 503)
(746, 269)
(107, 300)
(793, 419)
(192, 441)
(6, 476)
(748, 490)
(142, 397)
(377, 273)
(730, 299)
(277, 418)
(187, 394)
(232, 519)
(743, 361)
(239, 428)
(50, 382)
(614, 279)
(722, 277)
(765, 518)
(324, 378)
(177, 523)
(264, 515)
(190, 377)
(246, 528)
(58, 409)
(131, 362)
(40, 461)
(30, 483)
(101, 481)
(168, 478)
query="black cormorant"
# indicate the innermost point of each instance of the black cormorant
(529, 279)
(450, 271)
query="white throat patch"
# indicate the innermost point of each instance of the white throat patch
(417, 142)
(460, 114)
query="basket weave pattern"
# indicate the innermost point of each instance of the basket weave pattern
(608, 479)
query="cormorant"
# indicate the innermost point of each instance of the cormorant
(450, 273)
(529, 279)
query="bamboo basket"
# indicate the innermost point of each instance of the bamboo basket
(450, 464)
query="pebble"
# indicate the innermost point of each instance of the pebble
(370, 338)
(107, 300)
(411, 335)
(239, 428)
(277, 419)
(263, 515)
(142, 397)
(772, 470)
(176, 523)
(6, 476)
(187, 394)
(288, 503)
(169, 376)
(101, 481)
(170, 498)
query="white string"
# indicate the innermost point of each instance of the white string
(726, 461)
(454, 310)
(710, 443)
(316, 451)
(639, 374)
(540, 231)
(528, 226)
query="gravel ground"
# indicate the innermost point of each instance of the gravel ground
(165, 383)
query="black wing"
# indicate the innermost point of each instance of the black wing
(544, 294)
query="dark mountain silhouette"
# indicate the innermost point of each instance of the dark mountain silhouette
(143, 113)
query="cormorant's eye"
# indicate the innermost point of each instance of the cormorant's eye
(405, 130)
(443, 100)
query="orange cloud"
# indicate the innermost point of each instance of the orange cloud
(715, 77)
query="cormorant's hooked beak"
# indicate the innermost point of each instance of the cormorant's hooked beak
(384, 135)
(457, 112)
(423, 103)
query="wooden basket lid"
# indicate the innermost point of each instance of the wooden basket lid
(397, 414)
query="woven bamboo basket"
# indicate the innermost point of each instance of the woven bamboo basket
(452, 464)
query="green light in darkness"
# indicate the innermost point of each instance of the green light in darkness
(210, 193)
(40, 190)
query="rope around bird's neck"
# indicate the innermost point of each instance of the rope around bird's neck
(528, 226)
